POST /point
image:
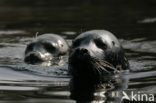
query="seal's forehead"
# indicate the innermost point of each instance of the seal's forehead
(95, 34)
(87, 36)
(105, 36)
(57, 43)
(48, 39)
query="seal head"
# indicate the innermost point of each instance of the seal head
(96, 53)
(45, 48)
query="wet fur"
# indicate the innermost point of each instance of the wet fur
(110, 61)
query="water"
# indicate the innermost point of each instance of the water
(133, 22)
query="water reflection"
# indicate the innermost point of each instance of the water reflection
(139, 83)
(109, 90)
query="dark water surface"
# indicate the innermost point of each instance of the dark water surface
(132, 21)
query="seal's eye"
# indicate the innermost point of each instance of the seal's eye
(75, 43)
(113, 42)
(49, 47)
(99, 43)
(30, 47)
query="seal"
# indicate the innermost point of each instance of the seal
(94, 54)
(44, 48)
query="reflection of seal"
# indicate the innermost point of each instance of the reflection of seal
(44, 48)
(94, 54)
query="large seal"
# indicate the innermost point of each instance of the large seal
(44, 48)
(94, 54)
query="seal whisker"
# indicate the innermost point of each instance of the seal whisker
(98, 66)
(36, 35)
(104, 65)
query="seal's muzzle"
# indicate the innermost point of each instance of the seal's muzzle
(37, 57)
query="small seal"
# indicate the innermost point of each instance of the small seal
(94, 54)
(44, 48)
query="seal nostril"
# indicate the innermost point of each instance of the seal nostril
(32, 55)
(84, 51)
(77, 51)
(32, 58)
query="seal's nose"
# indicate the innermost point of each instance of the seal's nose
(33, 55)
(82, 51)
(33, 58)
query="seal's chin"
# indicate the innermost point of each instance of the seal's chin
(85, 66)
(37, 58)
(80, 66)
